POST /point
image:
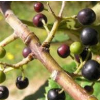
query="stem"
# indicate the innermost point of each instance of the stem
(82, 63)
(9, 39)
(45, 26)
(51, 10)
(19, 64)
(52, 33)
(62, 8)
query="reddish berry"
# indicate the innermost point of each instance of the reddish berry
(38, 7)
(63, 51)
(37, 20)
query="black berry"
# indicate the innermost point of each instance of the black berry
(54, 94)
(26, 51)
(4, 92)
(89, 36)
(89, 89)
(38, 7)
(63, 51)
(85, 53)
(86, 16)
(22, 83)
(91, 70)
(37, 20)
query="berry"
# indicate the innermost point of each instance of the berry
(26, 52)
(2, 52)
(22, 83)
(63, 51)
(54, 94)
(76, 48)
(37, 20)
(77, 58)
(4, 92)
(89, 36)
(2, 76)
(86, 16)
(38, 7)
(84, 54)
(91, 70)
(89, 89)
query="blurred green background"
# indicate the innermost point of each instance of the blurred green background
(35, 71)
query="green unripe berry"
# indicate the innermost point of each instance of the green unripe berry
(76, 48)
(2, 52)
(2, 77)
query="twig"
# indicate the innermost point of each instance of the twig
(19, 64)
(62, 8)
(45, 26)
(8, 40)
(51, 10)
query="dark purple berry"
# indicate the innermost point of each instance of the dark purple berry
(77, 58)
(54, 94)
(89, 89)
(89, 36)
(85, 53)
(26, 52)
(63, 51)
(22, 83)
(91, 70)
(38, 7)
(37, 20)
(86, 16)
(4, 92)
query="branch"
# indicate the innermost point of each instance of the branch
(45, 58)
(8, 40)
(62, 8)
(17, 65)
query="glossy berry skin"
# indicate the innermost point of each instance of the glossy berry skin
(2, 77)
(89, 36)
(86, 16)
(37, 20)
(22, 83)
(38, 7)
(84, 54)
(2, 52)
(4, 92)
(54, 94)
(63, 51)
(89, 89)
(76, 48)
(91, 70)
(26, 51)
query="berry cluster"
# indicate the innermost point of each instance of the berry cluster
(39, 18)
(81, 51)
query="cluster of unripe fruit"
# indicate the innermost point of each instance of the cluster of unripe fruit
(88, 37)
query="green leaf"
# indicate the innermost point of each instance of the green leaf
(51, 84)
(70, 67)
(60, 37)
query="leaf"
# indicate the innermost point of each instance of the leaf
(51, 84)
(70, 67)
(60, 37)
